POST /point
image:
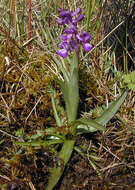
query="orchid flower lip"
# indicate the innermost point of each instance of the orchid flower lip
(86, 35)
(87, 38)
(62, 53)
(79, 37)
(87, 47)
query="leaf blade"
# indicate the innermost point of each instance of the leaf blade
(91, 123)
(112, 109)
(104, 118)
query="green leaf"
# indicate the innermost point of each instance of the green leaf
(40, 143)
(81, 129)
(111, 110)
(55, 137)
(126, 78)
(131, 86)
(74, 64)
(51, 130)
(58, 121)
(70, 90)
(63, 70)
(64, 156)
(91, 124)
(72, 96)
(129, 79)
(104, 118)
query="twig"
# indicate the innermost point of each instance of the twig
(105, 38)
(7, 134)
(33, 109)
(5, 177)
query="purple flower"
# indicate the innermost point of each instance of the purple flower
(67, 17)
(78, 10)
(59, 21)
(84, 37)
(64, 45)
(62, 53)
(78, 19)
(70, 31)
(71, 38)
(87, 47)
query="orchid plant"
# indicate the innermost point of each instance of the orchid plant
(69, 52)
(72, 40)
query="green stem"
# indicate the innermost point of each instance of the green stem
(72, 92)
(64, 156)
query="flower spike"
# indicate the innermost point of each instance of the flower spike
(71, 38)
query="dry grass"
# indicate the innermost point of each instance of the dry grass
(107, 160)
